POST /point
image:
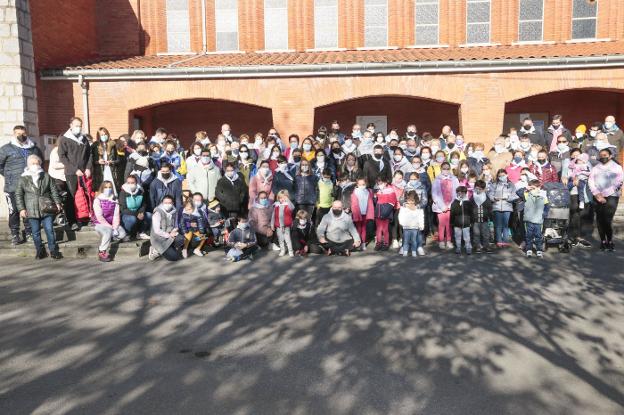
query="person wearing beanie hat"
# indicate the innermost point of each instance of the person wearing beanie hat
(580, 135)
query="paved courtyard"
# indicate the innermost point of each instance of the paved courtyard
(370, 334)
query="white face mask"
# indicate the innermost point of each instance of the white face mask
(167, 206)
(579, 135)
(398, 157)
(244, 155)
(197, 152)
(132, 187)
(76, 131)
(34, 168)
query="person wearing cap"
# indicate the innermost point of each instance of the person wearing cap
(216, 220)
(580, 135)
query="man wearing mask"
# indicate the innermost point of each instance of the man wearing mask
(76, 155)
(614, 133)
(336, 232)
(356, 132)
(13, 157)
(335, 129)
(529, 130)
(165, 183)
(377, 167)
(446, 132)
(499, 156)
(227, 133)
(553, 132)
(412, 133)
(159, 137)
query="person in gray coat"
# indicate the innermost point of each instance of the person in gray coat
(336, 232)
(12, 164)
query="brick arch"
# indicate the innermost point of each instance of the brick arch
(400, 110)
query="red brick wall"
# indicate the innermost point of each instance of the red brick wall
(57, 103)
(117, 28)
(401, 111)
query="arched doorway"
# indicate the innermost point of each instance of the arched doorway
(576, 106)
(185, 118)
(397, 111)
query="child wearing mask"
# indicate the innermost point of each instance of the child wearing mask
(398, 185)
(241, 241)
(386, 204)
(461, 219)
(443, 194)
(362, 209)
(281, 222)
(481, 217)
(301, 233)
(325, 191)
(192, 225)
(435, 167)
(343, 191)
(107, 220)
(216, 221)
(516, 166)
(535, 208)
(412, 220)
(477, 159)
(502, 193)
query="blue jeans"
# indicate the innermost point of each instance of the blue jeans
(465, 234)
(411, 240)
(534, 236)
(48, 225)
(501, 226)
(130, 222)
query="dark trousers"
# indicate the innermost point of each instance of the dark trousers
(534, 236)
(604, 217)
(68, 201)
(395, 228)
(173, 252)
(481, 235)
(581, 220)
(263, 240)
(338, 247)
(48, 226)
(132, 224)
(299, 240)
(14, 217)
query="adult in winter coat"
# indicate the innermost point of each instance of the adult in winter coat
(605, 183)
(443, 194)
(543, 170)
(105, 161)
(133, 205)
(202, 175)
(75, 154)
(554, 131)
(260, 219)
(500, 157)
(262, 181)
(502, 193)
(284, 177)
(165, 237)
(531, 132)
(165, 183)
(13, 158)
(377, 168)
(306, 188)
(34, 186)
(231, 193)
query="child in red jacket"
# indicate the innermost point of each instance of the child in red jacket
(362, 208)
(282, 220)
(386, 203)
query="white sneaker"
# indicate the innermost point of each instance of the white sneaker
(405, 253)
(290, 254)
(198, 252)
(143, 236)
(185, 253)
(540, 254)
(275, 247)
(449, 245)
(401, 251)
(282, 253)
(529, 253)
(414, 254)
(363, 246)
(421, 251)
(442, 245)
(395, 244)
(153, 254)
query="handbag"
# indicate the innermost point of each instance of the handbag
(47, 206)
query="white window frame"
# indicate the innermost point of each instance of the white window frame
(237, 31)
(489, 23)
(264, 8)
(597, 3)
(416, 24)
(520, 21)
(387, 28)
(316, 46)
(187, 33)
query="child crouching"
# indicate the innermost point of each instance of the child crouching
(242, 241)
(301, 233)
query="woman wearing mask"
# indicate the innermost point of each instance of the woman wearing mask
(195, 155)
(232, 193)
(133, 205)
(461, 172)
(107, 220)
(275, 153)
(443, 194)
(516, 166)
(172, 157)
(477, 160)
(105, 159)
(605, 183)
(246, 165)
(293, 145)
(35, 186)
(502, 193)
(336, 158)
(203, 175)
(377, 167)
(284, 177)
(435, 167)
(305, 188)
(309, 153)
(398, 185)
(400, 162)
(260, 219)
(165, 237)
(350, 147)
(155, 154)
(261, 182)
(350, 169)
(320, 164)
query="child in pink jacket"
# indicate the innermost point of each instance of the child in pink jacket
(362, 208)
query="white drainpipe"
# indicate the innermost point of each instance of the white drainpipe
(84, 85)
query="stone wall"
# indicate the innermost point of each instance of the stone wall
(18, 97)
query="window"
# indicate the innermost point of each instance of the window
(375, 23)
(531, 18)
(584, 19)
(426, 17)
(226, 22)
(178, 26)
(276, 24)
(325, 24)
(477, 21)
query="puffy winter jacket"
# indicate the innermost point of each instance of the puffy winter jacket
(461, 214)
(160, 187)
(13, 161)
(502, 194)
(27, 194)
(305, 189)
(232, 194)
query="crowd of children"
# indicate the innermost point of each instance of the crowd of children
(288, 194)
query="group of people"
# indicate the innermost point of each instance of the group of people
(330, 192)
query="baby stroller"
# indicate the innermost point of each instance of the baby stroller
(557, 218)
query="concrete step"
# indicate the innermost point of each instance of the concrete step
(74, 249)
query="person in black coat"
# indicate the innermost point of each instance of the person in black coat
(283, 179)
(558, 128)
(306, 189)
(530, 131)
(377, 167)
(482, 214)
(461, 220)
(232, 193)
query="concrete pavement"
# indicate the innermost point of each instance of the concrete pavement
(370, 334)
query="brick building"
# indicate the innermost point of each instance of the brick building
(478, 65)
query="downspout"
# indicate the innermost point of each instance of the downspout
(204, 29)
(84, 85)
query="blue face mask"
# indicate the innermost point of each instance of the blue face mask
(264, 202)
(414, 183)
(517, 159)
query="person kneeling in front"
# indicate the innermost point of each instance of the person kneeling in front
(336, 232)
(242, 241)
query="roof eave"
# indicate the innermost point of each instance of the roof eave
(335, 69)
